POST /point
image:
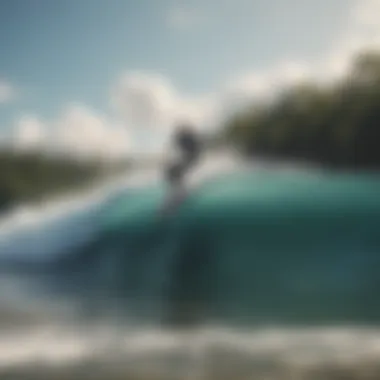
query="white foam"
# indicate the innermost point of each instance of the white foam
(27, 216)
(297, 346)
(42, 229)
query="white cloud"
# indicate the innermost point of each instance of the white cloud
(84, 133)
(30, 133)
(183, 17)
(367, 13)
(78, 132)
(7, 92)
(362, 31)
(262, 86)
(200, 111)
(151, 102)
(367, 20)
(144, 100)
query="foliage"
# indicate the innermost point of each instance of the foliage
(336, 125)
(33, 176)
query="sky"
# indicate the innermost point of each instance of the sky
(112, 77)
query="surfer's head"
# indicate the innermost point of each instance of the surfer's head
(185, 136)
(185, 139)
(184, 128)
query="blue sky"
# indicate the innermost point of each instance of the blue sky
(57, 53)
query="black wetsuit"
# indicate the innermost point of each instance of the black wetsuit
(189, 145)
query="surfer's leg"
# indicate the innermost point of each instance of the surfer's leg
(190, 160)
(174, 179)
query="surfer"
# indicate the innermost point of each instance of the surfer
(187, 142)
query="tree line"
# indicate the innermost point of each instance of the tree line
(336, 125)
(33, 176)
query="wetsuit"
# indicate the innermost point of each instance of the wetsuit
(189, 145)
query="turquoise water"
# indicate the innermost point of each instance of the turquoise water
(273, 265)
(250, 248)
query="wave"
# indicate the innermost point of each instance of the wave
(267, 271)
(267, 246)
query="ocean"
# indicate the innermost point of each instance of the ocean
(263, 270)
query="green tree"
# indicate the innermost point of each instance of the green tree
(336, 125)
